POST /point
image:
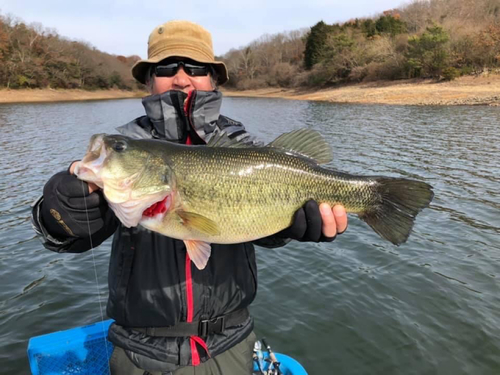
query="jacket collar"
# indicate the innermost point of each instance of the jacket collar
(175, 114)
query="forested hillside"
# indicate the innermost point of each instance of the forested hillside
(32, 56)
(439, 39)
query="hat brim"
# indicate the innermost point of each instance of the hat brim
(141, 67)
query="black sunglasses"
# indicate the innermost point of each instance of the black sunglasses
(170, 69)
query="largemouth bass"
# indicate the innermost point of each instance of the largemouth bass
(231, 192)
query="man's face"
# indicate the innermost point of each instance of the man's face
(181, 81)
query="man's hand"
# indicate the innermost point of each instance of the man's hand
(92, 187)
(334, 220)
(316, 223)
(73, 208)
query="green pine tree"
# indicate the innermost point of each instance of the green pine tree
(315, 44)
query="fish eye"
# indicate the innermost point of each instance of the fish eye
(119, 146)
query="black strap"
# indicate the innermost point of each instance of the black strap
(201, 328)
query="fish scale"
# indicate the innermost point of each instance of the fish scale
(266, 185)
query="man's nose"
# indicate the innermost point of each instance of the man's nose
(181, 79)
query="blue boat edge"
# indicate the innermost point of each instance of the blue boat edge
(86, 350)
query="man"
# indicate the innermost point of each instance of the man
(171, 317)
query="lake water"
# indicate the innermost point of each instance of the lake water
(358, 305)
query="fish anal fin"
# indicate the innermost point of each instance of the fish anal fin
(305, 142)
(199, 252)
(199, 223)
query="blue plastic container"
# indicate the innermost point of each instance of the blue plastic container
(86, 351)
(81, 350)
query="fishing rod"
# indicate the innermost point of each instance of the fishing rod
(273, 359)
(258, 357)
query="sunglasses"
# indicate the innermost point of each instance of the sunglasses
(194, 70)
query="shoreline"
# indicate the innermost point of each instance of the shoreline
(11, 96)
(469, 90)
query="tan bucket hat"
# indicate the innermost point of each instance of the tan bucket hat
(182, 39)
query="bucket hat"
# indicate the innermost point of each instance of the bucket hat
(180, 39)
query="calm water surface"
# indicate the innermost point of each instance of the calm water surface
(358, 305)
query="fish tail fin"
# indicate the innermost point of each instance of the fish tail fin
(400, 200)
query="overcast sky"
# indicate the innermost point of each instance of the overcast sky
(122, 27)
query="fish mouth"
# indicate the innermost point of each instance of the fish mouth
(129, 206)
(89, 168)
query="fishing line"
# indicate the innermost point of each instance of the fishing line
(96, 279)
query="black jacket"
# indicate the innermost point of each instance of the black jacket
(151, 283)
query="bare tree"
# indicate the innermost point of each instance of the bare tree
(248, 62)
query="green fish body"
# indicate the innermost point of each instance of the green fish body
(231, 192)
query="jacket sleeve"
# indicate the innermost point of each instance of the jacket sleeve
(235, 129)
(70, 244)
(271, 242)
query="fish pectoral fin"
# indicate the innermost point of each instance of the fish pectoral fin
(199, 222)
(199, 252)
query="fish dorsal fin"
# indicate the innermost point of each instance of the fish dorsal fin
(305, 142)
(220, 138)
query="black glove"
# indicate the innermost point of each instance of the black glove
(69, 210)
(307, 225)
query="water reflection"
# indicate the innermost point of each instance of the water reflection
(357, 305)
